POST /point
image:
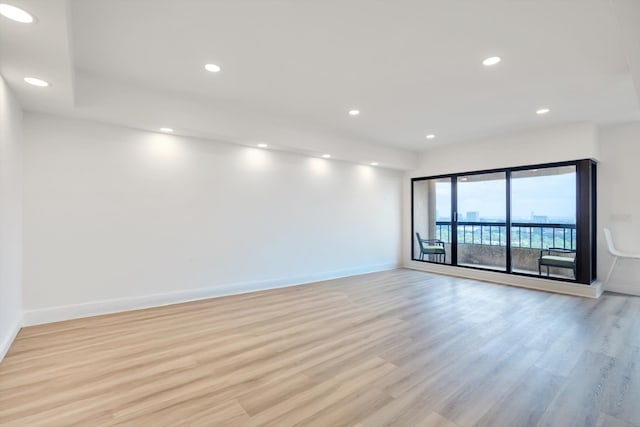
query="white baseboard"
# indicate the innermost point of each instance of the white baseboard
(95, 308)
(629, 289)
(8, 340)
(541, 284)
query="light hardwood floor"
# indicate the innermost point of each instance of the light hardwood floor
(395, 348)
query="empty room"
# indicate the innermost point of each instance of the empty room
(320, 213)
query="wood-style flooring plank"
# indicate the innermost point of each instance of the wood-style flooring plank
(395, 348)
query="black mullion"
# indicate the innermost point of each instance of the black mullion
(413, 182)
(594, 220)
(508, 227)
(586, 222)
(454, 220)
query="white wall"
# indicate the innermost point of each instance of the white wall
(106, 101)
(547, 145)
(117, 218)
(10, 217)
(619, 203)
(628, 15)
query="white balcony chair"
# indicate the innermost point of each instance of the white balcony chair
(615, 253)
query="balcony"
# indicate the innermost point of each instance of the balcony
(483, 244)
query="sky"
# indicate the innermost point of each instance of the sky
(553, 196)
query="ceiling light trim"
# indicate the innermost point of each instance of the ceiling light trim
(212, 68)
(36, 81)
(491, 61)
(17, 14)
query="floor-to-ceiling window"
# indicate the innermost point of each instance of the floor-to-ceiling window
(543, 215)
(530, 220)
(482, 220)
(432, 220)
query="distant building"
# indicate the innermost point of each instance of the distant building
(472, 216)
(540, 219)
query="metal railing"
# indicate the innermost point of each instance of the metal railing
(523, 234)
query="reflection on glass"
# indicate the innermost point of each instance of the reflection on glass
(543, 216)
(482, 221)
(432, 220)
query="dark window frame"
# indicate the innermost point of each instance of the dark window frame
(586, 218)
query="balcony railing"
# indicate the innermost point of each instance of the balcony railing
(523, 234)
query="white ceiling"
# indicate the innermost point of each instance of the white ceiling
(291, 69)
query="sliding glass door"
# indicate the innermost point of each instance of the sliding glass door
(432, 220)
(537, 220)
(481, 221)
(543, 206)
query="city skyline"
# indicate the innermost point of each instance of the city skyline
(550, 196)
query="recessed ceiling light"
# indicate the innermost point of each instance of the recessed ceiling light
(16, 14)
(168, 130)
(36, 82)
(262, 145)
(430, 136)
(326, 156)
(374, 163)
(464, 178)
(493, 60)
(213, 68)
(542, 111)
(354, 112)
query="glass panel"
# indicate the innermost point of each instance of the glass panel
(432, 220)
(543, 216)
(482, 208)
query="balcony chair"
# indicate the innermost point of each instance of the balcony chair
(616, 253)
(432, 247)
(559, 261)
